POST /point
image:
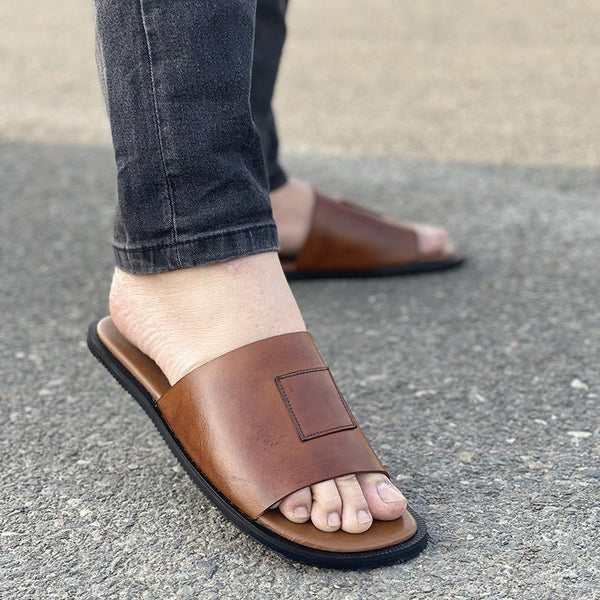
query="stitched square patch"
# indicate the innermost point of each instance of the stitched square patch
(315, 403)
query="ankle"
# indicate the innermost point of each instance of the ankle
(293, 205)
(184, 318)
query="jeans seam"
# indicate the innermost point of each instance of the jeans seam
(159, 134)
(193, 240)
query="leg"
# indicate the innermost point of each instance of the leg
(292, 200)
(268, 44)
(182, 134)
(197, 275)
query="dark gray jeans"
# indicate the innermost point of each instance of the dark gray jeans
(189, 107)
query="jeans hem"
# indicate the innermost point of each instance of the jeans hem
(204, 250)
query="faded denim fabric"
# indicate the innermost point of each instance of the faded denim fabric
(268, 45)
(176, 77)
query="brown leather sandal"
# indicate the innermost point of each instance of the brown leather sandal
(347, 240)
(255, 425)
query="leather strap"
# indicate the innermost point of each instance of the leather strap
(344, 236)
(266, 420)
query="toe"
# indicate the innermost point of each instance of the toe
(326, 513)
(433, 240)
(297, 506)
(349, 503)
(385, 501)
(356, 516)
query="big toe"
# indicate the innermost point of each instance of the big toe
(433, 240)
(386, 502)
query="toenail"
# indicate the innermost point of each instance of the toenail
(301, 512)
(388, 493)
(334, 520)
(363, 517)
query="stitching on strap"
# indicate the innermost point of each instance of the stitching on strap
(305, 436)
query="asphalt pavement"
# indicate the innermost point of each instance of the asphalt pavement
(479, 387)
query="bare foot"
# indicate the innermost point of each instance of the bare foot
(293, 205)
(185, 318)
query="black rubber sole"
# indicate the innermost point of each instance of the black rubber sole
(334, 560)
(412, 269)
